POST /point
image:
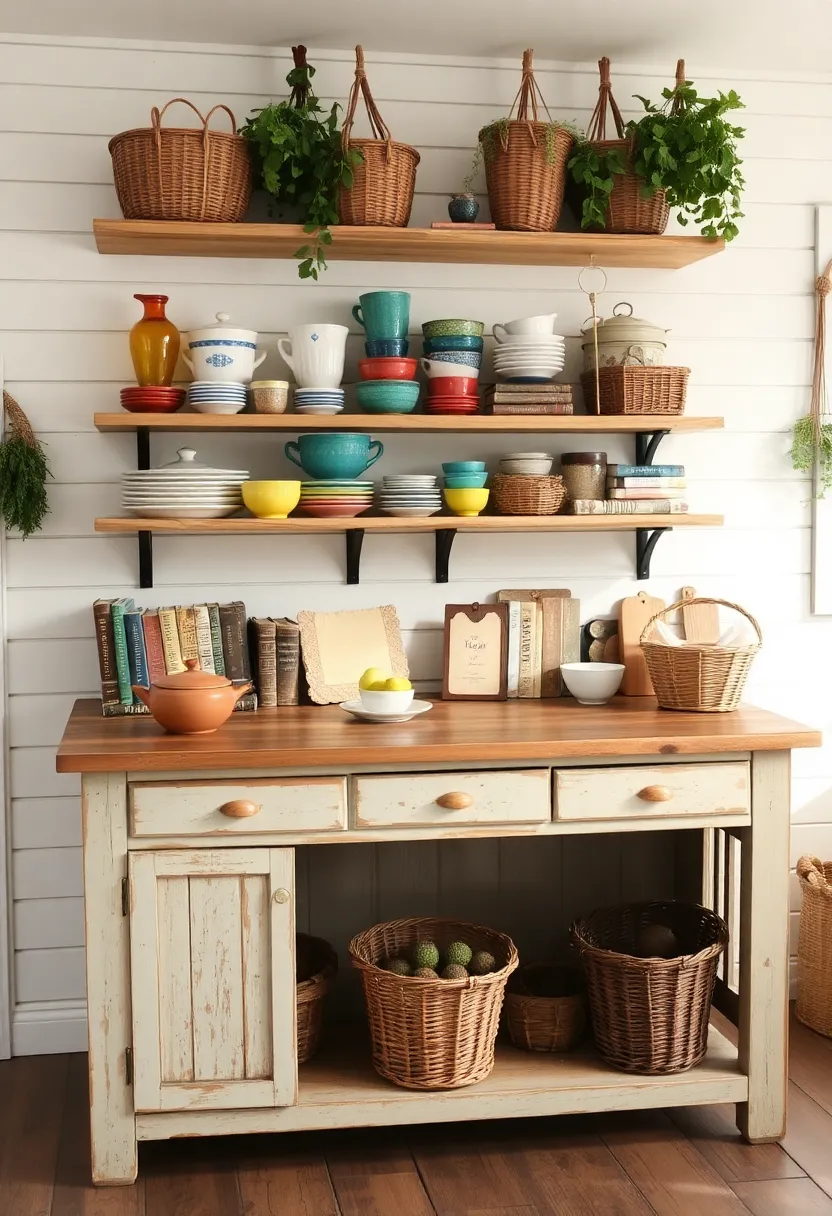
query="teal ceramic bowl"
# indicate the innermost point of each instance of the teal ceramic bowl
(452, 342)
(462, 468)
(466, 481)
(453, 328)
(387, 396)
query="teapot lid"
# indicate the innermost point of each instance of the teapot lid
(192, 680)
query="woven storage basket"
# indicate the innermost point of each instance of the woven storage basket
(650, 1015)
(383, 184)
(707, 679)
(318, 961)
(814, 946)
(636, 390)
(525, 162)
(515, 494)
(545, 1023)
(432, 1034)
(182, 173)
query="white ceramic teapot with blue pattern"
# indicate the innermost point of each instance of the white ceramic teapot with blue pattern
(222, 353)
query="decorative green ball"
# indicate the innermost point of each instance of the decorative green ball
(425, 954)
(454, 971)
(482, 963)
(425, 973)
(459, 953)
(399, 966)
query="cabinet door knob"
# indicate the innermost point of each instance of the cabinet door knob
(240, 808)
(655, 793)
(281, 896)
(455, 801)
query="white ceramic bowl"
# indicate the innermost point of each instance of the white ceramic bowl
(434, 370)
(592, 683)
(526, 468)
(386, 702)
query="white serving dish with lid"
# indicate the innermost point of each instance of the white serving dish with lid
(222, 353)
(625, 340)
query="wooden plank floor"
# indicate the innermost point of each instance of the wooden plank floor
(687, 1162)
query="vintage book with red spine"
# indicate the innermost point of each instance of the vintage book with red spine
(153, 645)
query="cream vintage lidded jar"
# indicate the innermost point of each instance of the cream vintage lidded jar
(625, 340)
(222, 352)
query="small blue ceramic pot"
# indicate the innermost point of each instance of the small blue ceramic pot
(463, 208)
(466, 481)
(386, 348)
(452, 342)
(471, 358)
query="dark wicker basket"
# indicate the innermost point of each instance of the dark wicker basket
(650, 1015)
(554, 1022)
(318, 962)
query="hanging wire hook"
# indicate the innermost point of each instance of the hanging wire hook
(593, 300)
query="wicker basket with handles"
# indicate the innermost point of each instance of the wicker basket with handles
(707, 678)
(814, 946)
(182, 173)
(384, 181)
(319, 963)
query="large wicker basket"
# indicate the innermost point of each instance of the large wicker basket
(814, 946)
(182, 173)
(706, 679)
(636, 390)
(545, 1023)
(525, 162)
(384, 181)
(432, 1034)
(650, 1015)
(317, 962)
(516, 494)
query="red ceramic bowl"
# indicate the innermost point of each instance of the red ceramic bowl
(452, 386)
(148, 401)
(387, 369)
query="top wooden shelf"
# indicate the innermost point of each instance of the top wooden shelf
(472, 246)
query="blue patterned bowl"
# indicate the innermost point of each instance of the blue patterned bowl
(453, 342)
(471, 358)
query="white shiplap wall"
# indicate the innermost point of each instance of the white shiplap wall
(743, 321)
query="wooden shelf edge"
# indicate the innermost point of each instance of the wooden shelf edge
(390, 524)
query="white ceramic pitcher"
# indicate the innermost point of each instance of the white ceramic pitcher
(315, 353)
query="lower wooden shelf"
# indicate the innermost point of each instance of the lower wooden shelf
(339, 1088)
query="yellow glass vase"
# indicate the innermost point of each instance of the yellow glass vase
(154, 343)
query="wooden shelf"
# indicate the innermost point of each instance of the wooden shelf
(483, 247)
(388, 524)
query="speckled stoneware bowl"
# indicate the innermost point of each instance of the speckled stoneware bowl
(470, 358)
(452, 342)
(453, 327)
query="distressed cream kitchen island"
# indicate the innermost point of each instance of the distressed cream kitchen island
(189, 888)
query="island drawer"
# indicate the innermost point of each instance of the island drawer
(235, 807)
(652, 792)
(452, 799)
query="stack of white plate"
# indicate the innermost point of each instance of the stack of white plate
(530, 358)
(410, 494)
(183, 489)
(319, 400)
(210, 397)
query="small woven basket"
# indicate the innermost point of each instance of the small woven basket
(636, 390)
(383, 184)
(814, 946)
(706, 679)
(318, 962)
(182, 173)
(650, 1015)
(525, 162)
(515, 494)
(545, 1023)
(432, 1034)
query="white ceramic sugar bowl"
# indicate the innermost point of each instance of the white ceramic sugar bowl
(625, 339)
(222, 353)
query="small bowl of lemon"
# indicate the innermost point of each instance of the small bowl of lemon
(381, 693)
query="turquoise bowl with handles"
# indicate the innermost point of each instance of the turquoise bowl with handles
(334, 455)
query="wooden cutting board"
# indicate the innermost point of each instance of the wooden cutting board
(636, 611)
(701, 621)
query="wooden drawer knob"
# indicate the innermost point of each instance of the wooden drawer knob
(455, 801)
(655, 793)
(240, 808)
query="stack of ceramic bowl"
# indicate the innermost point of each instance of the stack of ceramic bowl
(319, 400)
(152, 399)
(465, 492)
(387, 386)
(453, 355)
(183, 489)
(527, 464)
(211, 397)
(335, 498)
(528, 351)
(410, 494)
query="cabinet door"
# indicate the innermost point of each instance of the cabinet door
(212, 953)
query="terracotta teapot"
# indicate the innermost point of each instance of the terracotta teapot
(191, 702)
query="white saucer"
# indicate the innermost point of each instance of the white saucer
(357, 710)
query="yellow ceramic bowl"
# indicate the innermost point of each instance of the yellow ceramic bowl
(466, 502)
(271, 499)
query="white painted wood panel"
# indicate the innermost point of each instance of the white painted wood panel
(511, 796)
(216, 973)
(39, 821)
(194, 808)
(176, 1030)
(41, 873)
(648, 793)
(48, 923)
(48, 975)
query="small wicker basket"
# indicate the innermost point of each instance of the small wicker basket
(636, 390)
(706, 679)
(545, 1023)
(432, 1034)
(650, 1015)
(814, 946)
(182, 173)
(318, 962)
(384, 181)
(515, 494)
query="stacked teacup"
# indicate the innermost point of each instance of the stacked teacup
(222, 359)
(528, 350)
(453, 354)
(316, 354)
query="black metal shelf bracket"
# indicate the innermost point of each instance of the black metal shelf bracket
(145, 538)
(647, 443)
(646, 541)
(354, 540)
(444, 543)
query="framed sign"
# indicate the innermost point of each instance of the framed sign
(339, 646)
(476, 645)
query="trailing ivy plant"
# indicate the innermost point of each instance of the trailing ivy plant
(809, 452)
(23, 473)
(594, 169)
(298, 158)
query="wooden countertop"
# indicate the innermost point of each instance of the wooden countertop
(310, 735)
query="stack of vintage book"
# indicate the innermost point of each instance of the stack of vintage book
(544, 630)
(639, 489)
(275, 653)
(528, 399)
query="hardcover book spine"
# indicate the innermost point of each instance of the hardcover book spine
(538, 650)
(246, 703)
(125, 692)
(618, 506)
(240, 612)
(525, 687)
(513, 649)
(124, 711)
(646, 483)
(105, 639)
(231, 643)
(288, 662)
(263, 646)
(645, 470)
(553, 610)
(541, 407)
(186, 624)
(202, 625)
(136, 654)
(216, 638)
(635, 495)
(170, 641)
(571, 644)
(153, 645)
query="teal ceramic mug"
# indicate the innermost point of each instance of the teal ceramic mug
(333, 455)
(383, 314)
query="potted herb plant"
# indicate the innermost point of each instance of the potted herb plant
(298, 158)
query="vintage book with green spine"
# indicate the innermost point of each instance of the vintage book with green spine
(288, 661)
(106, 642)
(202, 624)
(263, 648)
(170, 641)
(153, 645)
(119, 607)
(216, 638)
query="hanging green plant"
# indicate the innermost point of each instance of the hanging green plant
(23, 473)
(297, 157)
(595, 169)
(811, 450)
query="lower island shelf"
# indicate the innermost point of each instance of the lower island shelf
(340, 1088)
